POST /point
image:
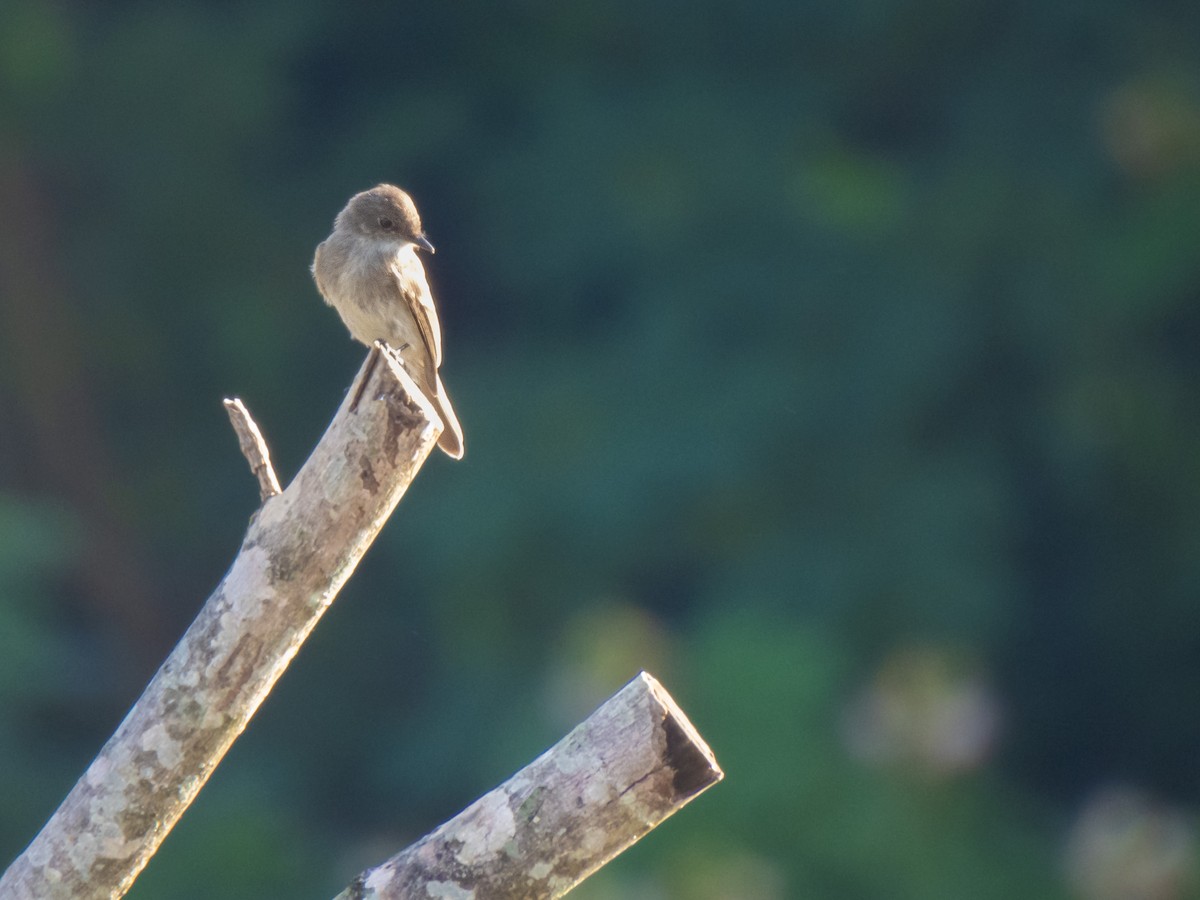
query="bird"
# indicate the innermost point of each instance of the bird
(368, 270)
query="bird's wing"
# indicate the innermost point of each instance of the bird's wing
(410, 275)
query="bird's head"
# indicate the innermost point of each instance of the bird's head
(385, 213)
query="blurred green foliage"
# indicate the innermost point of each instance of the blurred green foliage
(786, 338)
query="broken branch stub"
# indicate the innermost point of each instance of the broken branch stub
(626, 768)
(253, 447)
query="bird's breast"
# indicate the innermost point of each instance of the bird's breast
(361, 287)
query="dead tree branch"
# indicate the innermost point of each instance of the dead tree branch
(298, 551)
(626, 768)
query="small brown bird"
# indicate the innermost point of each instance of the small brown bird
(368, 270)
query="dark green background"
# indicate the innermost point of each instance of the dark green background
(790, 340)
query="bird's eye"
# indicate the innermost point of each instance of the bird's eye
(386, 224)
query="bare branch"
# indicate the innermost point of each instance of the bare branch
(254, 448)
(630, 765)
(298, 552)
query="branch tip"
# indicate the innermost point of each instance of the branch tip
(254, 448)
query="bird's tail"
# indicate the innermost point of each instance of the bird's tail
(451, 440)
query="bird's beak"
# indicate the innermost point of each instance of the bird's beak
(423, 243)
